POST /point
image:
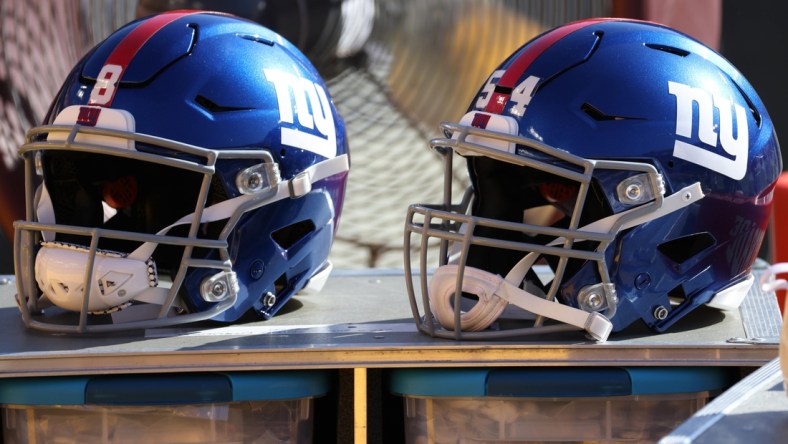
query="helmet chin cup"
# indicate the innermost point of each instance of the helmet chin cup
(115, 279)
(446, 302)
(492, 294)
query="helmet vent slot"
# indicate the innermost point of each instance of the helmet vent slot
(256, 38)
(290, 235)
(600, 116)
(213, 107)
(753, 109)
(684, 248)
(669, 49)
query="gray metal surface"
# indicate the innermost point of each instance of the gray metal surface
(360, 319)
(760, 312)
(754, 410)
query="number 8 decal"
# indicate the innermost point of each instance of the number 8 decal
(104, 89)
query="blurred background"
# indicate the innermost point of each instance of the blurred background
(395, 70)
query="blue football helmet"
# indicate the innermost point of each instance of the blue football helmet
(619, 171)
(192, 167)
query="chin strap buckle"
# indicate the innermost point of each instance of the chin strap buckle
(300, 185)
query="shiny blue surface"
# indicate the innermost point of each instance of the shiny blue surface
(622, 69)
(200, 80)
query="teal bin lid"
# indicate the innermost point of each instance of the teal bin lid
(536, 382)
(165, 388)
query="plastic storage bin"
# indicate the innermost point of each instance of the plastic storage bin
(242, 407)
(556, 404)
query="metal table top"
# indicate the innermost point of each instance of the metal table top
(754, 410)
(363, 319)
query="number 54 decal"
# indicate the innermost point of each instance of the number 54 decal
(519, 98)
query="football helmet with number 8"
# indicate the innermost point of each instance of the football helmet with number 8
(619, 170)
(192, 167)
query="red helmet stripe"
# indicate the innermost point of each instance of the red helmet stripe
(535, 49)
(122, 55)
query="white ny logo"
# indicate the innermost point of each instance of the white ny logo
(312, 110)
(733, 166)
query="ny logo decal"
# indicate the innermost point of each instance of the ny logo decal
(733, 163)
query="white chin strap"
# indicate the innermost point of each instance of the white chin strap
(294, 188)
(494, 292)
(769, 282)
(118, 278)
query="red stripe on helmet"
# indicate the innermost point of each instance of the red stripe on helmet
(123, 54)
(532, 52)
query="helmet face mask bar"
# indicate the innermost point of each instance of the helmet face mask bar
(455, 229)
(132, 230)
(219, 289)
(601, 193)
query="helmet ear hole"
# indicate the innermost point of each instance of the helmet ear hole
(682, 249)
(290, 235)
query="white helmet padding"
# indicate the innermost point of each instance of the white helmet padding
(99, 117)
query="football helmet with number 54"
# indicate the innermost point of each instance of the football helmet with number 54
(619, 170)
(192, 167)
